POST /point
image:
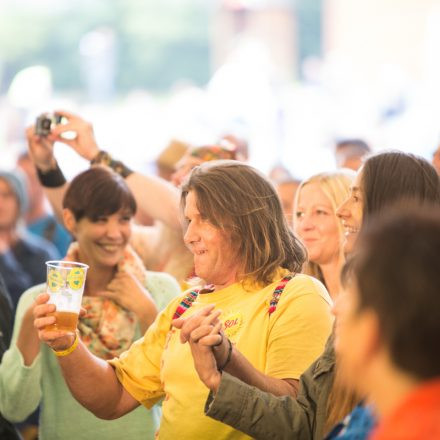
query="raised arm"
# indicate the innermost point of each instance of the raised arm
(41, 152)
(156, 197)
(92, 381)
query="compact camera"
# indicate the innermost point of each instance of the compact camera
(45, 123)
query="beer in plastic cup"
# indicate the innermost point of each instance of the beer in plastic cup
(65, 285)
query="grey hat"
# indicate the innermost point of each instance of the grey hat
(16, 181)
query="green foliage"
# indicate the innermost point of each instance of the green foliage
(158, 42)
(309, 16)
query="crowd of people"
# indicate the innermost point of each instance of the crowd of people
(216, 304)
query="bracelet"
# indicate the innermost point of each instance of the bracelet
(68, 350)
(228, 358)
(53, 178)
(103, 158)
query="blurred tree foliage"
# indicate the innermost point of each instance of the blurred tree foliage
(157, 42)
(309, 16)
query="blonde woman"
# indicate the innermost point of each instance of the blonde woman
(316, 224)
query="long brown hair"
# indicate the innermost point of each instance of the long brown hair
(237, 198)
(342, 399)
(395, 176)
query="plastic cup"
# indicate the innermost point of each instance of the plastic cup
(65, 285)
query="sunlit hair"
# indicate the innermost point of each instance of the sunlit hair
(98, 192)
(238, 199)
(336, 186)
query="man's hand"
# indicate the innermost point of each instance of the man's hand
(55, 339)
(202, 331)
(84, 142)
(187, 325)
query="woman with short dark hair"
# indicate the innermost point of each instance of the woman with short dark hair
(118, 299)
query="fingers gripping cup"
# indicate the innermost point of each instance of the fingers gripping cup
(65, 285)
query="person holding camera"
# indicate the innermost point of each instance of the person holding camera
(160, 246)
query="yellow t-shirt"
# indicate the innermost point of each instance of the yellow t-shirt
(281, 345)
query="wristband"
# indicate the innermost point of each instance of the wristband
(68, 350)
(228, 358)
(103, 158)
(53, 178)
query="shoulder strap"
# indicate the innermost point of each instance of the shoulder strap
(191, 296)
(186, 303)
(277, 293)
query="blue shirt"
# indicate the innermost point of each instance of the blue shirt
(356, 426)
(50, 229)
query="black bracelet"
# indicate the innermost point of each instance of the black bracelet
(53, 178)
(228, 358)
(103, 158)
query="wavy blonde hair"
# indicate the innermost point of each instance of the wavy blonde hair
(335, 185)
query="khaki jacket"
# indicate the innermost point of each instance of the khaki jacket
(265, 416)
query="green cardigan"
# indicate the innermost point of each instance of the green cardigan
(23, 388)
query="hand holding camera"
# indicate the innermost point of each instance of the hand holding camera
(84, 142)
(40, 146)
(50, 128)
(46, 122)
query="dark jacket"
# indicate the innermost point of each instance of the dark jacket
(265, 416)
(23, 266)
(7, 430)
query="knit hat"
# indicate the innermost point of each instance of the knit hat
(16, 181)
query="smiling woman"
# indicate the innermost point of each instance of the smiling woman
(100, 224)
(385, 179)
(119, 299)
(319, 228)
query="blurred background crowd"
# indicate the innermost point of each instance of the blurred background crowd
(290, 77)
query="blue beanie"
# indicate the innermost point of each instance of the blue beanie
(16, 181)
